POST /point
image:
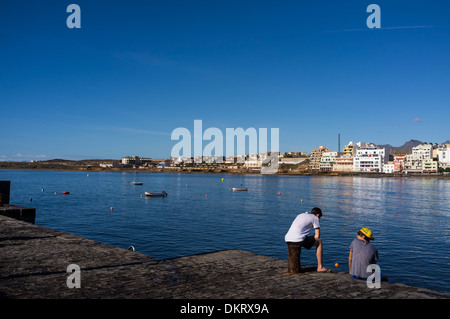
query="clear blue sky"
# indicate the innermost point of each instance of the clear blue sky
(136, 70)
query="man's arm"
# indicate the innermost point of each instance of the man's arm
(317, 233)
(350, 262)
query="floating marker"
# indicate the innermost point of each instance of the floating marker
(112, 208)
(279, 193)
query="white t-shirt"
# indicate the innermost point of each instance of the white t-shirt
(301, 227)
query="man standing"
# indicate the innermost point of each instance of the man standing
(362, 254)
(297, 237)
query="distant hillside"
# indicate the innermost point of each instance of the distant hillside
(407, 146)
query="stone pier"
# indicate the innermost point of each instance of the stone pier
(34, 264)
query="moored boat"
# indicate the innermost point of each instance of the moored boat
(237, 189)
(153, 194)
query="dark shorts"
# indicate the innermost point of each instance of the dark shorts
(308, 242)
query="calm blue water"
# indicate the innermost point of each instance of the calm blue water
(409, 217)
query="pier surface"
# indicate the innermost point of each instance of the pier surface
(34, 261)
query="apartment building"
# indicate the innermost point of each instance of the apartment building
(399, 162)
(429, 166)
(413, 163)
(443, 155)
(135, 160)
(388, 167)
(348, 149)
(423, 149)
(316, 157)
(327, 161)
(369, 158)
(343, 164)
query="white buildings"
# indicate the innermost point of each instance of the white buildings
(413, 163)
(135, 160)
(369, 158)
(426, 150)
(361, 157)
(443, 156)
(254, 161)
(327, 161)
(388, 167)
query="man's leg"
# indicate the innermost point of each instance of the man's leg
(319, 255)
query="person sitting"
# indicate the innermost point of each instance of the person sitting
(362, 254)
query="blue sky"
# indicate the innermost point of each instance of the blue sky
(136, 70)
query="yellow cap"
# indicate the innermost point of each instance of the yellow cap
(367, 232)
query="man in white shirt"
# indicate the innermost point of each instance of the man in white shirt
(297, 236)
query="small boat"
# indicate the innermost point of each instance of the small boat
(152, 194)
(239, 189)
(66, 193)
(134, 182)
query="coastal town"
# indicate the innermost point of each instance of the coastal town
(414, 158)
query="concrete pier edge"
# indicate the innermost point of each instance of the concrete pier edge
(34, 262)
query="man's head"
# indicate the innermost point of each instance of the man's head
(366, 234)
(316, 211)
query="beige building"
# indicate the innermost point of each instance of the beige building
(429, 166)
(343, 164)
(316, 157)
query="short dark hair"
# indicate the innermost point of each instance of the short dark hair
(316, 210)
(360, 233)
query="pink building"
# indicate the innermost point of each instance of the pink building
(399, 162)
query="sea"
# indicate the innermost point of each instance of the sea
(409, 217)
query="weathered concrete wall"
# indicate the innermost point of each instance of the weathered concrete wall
(34, 261)
(17, 212)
